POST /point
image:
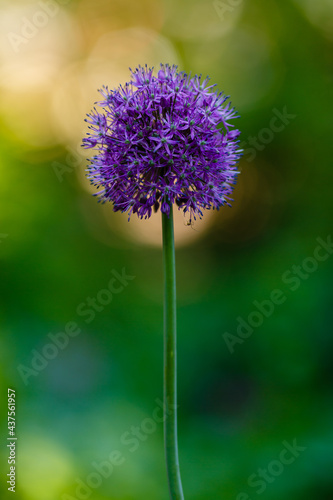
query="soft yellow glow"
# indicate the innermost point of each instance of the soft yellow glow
(148, 232)
(35, 47)
(108, 64)
(45, 467)
(102, 16)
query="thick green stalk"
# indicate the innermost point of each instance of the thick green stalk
(170, 359)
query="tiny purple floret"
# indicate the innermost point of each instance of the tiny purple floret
(161, 140)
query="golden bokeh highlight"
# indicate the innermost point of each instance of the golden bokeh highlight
(148, 232)
(45, 467)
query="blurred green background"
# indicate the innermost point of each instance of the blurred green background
(238, 405)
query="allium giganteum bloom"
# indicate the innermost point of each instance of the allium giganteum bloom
(161, 140)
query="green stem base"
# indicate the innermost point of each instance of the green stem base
(170, 359)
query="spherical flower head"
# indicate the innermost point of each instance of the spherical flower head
(161, 140)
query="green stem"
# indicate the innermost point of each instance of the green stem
(170, 360)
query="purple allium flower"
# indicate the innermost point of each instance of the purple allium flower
(163, 139)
